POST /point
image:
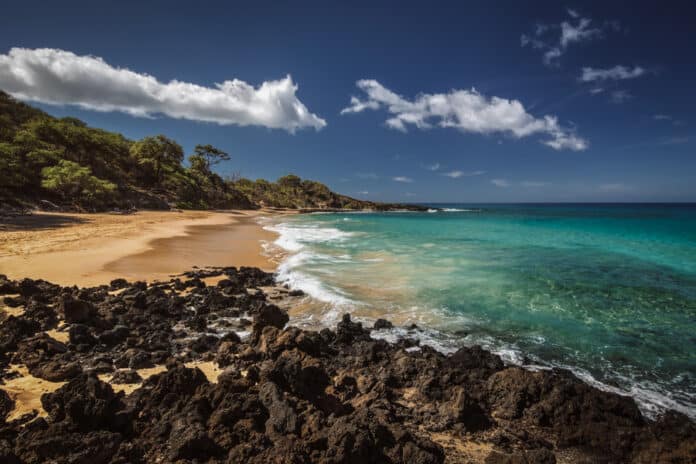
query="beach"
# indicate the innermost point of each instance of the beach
(93, 249)
(198, 341)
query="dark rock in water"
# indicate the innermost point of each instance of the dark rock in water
(296, 292)
(348, 331)
(289, 395)
(75, 310)
(381, 324)
(126, 377)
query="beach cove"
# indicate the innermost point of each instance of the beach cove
(221, 336)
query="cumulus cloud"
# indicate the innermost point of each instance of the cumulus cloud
(60, 77)
(616, 73)
(433, 167)
(500, 182)
(554, 39)
(408, 180)
(458, 174)
(465, 110)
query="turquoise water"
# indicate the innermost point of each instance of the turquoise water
(608, 291)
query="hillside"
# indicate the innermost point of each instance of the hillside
(63, 163)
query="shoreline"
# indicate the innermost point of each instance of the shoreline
(183, 385)
(93, 249)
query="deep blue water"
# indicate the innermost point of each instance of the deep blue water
(608, 291)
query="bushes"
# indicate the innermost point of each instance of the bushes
(76, 183)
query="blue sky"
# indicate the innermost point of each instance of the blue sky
(452, 103)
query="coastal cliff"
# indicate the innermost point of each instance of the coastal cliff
(279, 393)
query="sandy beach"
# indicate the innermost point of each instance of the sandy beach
(92, 249)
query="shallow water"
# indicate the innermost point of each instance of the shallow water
(608, 291)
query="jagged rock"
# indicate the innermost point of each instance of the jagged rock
(6, 406)
(114, 336)
(381, 324)
(81, 336)
(271, 315)
(75, 310)
(348, 331)
(86, 403)
(118, 284)
(126, 377)
(14, 329)
(47, 358)
(290, 395)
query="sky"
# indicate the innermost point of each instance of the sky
(539, 101)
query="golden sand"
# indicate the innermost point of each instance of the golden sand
(92, 249)
(26, 391)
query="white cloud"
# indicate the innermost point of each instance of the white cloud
(616, 73)
(458, 174)
(596, 90)
(367, 175)
(662, 117)
(60, 77)
(433, 167)
(577, 33)
(620, 96)
(402, 179)
(465, 110)
(554, 39)
(500, 182)
(363, 192)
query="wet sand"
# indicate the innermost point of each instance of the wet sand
(93, 249)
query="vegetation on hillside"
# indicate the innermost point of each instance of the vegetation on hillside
(65, 162)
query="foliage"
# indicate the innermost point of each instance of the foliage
(66, 161)
(72, 181)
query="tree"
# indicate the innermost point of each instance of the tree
(72, 181)
(210, 155)
(157, 155)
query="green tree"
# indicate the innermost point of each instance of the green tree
(157, 156)
(210, 155)
(72, 181)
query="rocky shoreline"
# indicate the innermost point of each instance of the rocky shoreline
(283, 394)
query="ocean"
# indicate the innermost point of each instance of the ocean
(607, 291)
